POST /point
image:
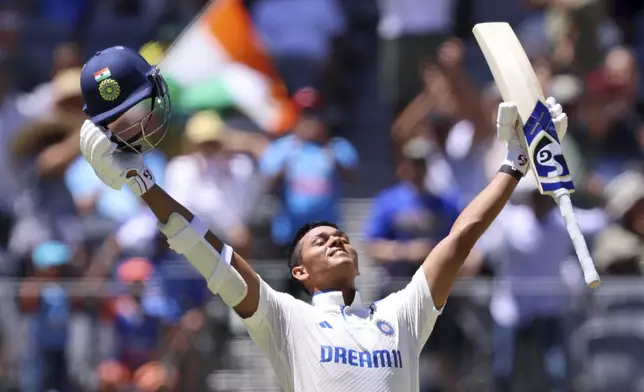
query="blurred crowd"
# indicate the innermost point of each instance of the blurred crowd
(397, 110)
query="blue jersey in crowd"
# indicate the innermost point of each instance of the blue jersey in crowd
(311, 188)
(402, 212)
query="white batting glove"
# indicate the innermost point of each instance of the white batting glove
(559, 118)
(114, 168)
(507, 126)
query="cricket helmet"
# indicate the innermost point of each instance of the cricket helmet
(120, 86)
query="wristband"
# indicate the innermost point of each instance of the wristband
(141, 182)
(511, 170)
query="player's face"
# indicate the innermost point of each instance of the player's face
(413, 171)
(140, 126)
(310, 128)
(329, 261)
(143, 127)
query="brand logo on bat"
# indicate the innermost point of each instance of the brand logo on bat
(548, 158)
(544, 147)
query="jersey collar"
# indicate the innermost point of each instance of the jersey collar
(334, 298)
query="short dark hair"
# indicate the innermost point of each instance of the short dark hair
(294, 256)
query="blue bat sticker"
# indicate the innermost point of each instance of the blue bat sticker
(545, 149)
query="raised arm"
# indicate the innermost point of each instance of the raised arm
(446, 259)
(164, 206)
(442, 265)
(227, 273)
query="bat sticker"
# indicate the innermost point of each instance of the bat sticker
(544, 148)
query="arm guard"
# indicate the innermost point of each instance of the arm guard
(187, 239)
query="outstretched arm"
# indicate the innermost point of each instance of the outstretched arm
(444, 262)
(163, 206)
(266, 313)
(446, 259)
(227, 273)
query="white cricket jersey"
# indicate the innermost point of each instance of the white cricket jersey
(328, 346)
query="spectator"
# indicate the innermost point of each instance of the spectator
(40, 103)
(143, 317)
(619, 249)
(41, 153)
(299, 35)
(407, 221)
(410, 31)
(530, 241)
(46, 307)
(11, 121)
(228, 188)
(611, 137)
(308, 166)
(459, 127)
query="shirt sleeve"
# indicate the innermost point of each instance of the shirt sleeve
(274, 158)
(415, 309)
(269, 328)
(345, 153)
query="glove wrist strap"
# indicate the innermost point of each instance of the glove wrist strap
(509, 169)
(141, 182)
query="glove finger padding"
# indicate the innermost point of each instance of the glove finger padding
(507, 121)
(95, 144)
(90, 138)
(559, 118)
(554, 107)
(110, 165)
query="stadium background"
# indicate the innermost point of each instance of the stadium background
(90, 299)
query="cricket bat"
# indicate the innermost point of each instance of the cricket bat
(518, 83)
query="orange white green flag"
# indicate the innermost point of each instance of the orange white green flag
(219, 57)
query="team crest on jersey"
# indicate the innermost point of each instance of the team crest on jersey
(109, 89)
(385, 327)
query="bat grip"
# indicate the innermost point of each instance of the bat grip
(562, 197)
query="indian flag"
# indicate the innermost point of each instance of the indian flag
(102, 75)
(220, 53)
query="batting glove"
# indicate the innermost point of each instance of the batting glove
(114, 168)
(507, 128)
(559, 118)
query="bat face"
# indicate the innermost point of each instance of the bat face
(518, 83)
(544, 151)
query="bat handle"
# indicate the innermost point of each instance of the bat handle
(562, 197)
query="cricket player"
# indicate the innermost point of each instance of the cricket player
(338, 342)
